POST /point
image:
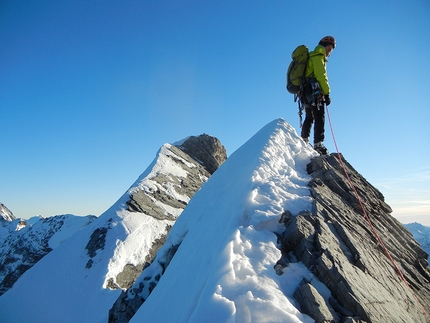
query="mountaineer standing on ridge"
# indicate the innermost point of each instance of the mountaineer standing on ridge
(317, 92)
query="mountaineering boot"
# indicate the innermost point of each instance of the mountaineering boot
(306, 140)
(319, 147)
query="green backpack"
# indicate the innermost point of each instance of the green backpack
(296, 70)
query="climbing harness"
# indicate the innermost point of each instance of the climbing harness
(309, 93)
(387, 253)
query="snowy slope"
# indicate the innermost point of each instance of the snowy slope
(421, 233)
(223, 269)
(24, 242)
(78, 280)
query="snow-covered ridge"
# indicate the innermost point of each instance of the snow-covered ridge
(164, 164)
(170, 171)
(158, 191)
(230, 275)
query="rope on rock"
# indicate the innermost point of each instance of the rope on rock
(370, 223)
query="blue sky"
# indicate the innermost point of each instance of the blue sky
(89, 90)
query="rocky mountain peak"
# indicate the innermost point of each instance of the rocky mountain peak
(6, 214)
(207, 150)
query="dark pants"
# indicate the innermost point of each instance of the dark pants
(317, 115)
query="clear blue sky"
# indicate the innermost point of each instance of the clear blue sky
(89, 90)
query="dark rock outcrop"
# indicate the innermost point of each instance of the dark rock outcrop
(130, 273)
(205, 149)
(338, 245)
(97, 242)
(130, 301)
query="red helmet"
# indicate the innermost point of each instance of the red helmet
(328, 40)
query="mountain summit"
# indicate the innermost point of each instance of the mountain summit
(276, 234)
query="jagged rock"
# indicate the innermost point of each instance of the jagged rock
(6, 214)
(128, 276)
(338, 245)
(97, 241)
(207, 150)
(199, 157)
(129, 301)
(315, 305)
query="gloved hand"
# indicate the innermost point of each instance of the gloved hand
(327, 99)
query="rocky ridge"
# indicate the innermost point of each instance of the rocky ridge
(336, 243)
(208, 154)
(163, 195)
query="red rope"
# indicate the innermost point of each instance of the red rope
(370, 223)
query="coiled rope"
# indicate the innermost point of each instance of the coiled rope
(397, 269)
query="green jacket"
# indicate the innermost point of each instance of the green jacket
(316, 68)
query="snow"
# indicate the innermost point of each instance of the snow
(223, 269)
(25, 240)
(164, 165)
(140, 233)
(71, 224)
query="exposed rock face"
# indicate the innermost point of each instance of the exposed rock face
(338, 245)
(97, 242)
(207, 150)
(22, 244)
(130, 301)
(199, 157)
(5, 214)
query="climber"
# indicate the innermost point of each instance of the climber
(317, 93)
